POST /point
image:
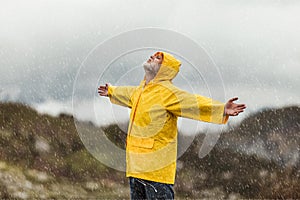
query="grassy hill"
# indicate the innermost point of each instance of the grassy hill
(43, 157)
(32, 144)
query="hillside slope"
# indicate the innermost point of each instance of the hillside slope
(43, 157)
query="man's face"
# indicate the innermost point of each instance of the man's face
(153, 63)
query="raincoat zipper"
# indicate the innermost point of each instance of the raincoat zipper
(134, 112)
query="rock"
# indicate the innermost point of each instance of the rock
(42, 145)
(92, 186)
(38, 176)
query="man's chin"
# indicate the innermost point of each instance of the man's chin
(147, 67)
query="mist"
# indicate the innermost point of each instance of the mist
(255, 45)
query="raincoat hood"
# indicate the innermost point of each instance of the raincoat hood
(168, 69)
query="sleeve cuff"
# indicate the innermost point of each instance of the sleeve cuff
(225, 119)
(110, 90)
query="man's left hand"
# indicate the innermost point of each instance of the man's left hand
(233, 109)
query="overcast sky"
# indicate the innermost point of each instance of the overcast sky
(254, 44)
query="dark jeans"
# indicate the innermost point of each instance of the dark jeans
(143, 189)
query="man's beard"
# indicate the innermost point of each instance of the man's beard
(151, 68)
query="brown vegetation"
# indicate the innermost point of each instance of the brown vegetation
(34, 146)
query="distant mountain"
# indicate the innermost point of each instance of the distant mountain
(273, 134)
(43, 157)
(257, 159)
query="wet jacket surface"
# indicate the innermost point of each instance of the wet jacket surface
(151, 148)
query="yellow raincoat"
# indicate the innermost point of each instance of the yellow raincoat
(151, 149)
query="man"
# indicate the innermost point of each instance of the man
(151, 147)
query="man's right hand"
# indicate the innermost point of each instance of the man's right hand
(103, 90)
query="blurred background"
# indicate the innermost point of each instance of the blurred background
(254, 44)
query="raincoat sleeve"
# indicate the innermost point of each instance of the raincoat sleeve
(184, 104)
(121, 95)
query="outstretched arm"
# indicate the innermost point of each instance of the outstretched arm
(233, 109)
(120, 95)
(184, 104)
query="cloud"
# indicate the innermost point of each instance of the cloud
(53, 108)
(255, 45)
